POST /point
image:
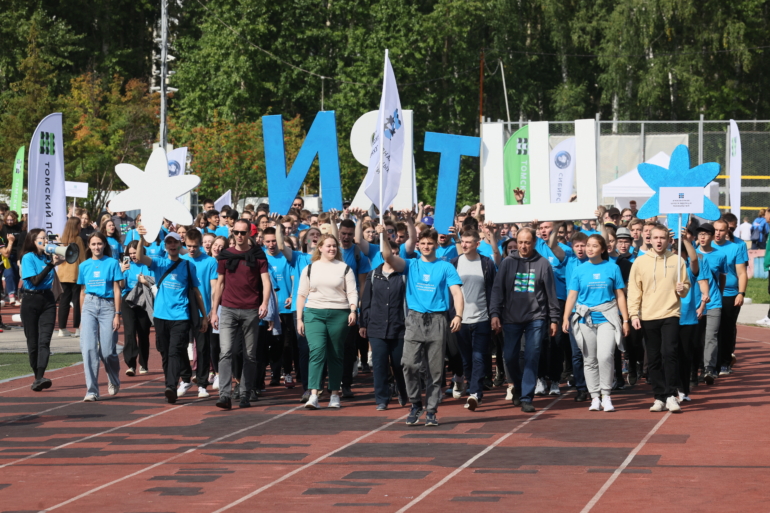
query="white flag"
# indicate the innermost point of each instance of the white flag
(387, 145)
(225, 199)
(736, 163)
(47, 202)
(562, 171)
(177, 159)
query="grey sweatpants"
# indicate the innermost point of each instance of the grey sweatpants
(424, 343)
(711, 342)
(598, 350)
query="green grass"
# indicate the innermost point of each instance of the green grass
(17, 364)
(757, 291)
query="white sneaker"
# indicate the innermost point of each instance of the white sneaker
(369, 360)
(359, 364)
(190, 351)
(183, 388)
(459, 388)
(202, 393)
(130, 371)
(143, 370)
(288, 381)
(77, 333)
(215, 385)
(673, 405)
(680, 397)
(334, 401)
(658, 406)
(89, 398)
(764, 322)
(63, 333)
(686, 398)
(312, 403)
(607, 404)
(113, 389)
(596, 404)
(509, 393)
(540, 388)
(554, 388)
(472, 403)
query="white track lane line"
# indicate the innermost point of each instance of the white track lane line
(6, 422)
(27, 386)
(138, 421)
(623, 465)
(477, 456)
(307, 465)
(167, 460)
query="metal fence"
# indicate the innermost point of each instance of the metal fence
(623, 144)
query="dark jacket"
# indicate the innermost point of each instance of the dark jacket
(382, 304)
(524, 290)
(625, 263)
(490, 271)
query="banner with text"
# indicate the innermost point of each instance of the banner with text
(17, 188)
(45, 189)
(516, 165)
(562, 171)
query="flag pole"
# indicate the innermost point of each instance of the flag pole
(382, 143)
(679, 252)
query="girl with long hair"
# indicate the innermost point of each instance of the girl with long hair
(68, 277)
(13, 233)
(596, 291)
(38, 310)
(220, 244)
(136, 321)
(102, 279)
(113, 238)
(326, 308)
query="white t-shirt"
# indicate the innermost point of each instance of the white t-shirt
(474, 290)
(744, 231)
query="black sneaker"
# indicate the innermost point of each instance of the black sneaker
(517, 401)
(528, 407)
(37, 385)
(253, 396)
(171, 395)
(632, 378)
(45, 383)
(488, 384)
(402, 401)
(347, 393)
(709, 378)
(382, 407)
(581, 396)
(414, 415)
(499, 380)
(237, 392)
(244, 402)
(430, 419)
(224, 403)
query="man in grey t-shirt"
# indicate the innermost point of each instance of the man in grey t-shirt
(477, 273)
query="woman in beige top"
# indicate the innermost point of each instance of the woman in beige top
(68, 277)
(326, 308)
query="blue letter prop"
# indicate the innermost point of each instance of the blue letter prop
(451, 148)
(321, 140)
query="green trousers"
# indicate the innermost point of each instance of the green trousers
(326, 331)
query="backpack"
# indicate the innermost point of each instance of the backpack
(757, 230)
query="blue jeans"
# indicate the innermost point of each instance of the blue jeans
(473, 340)
(577, 364)
(11, 276)
(525, 380)
(387, 353)
(98, 341)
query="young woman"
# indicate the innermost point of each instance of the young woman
(219, 244)
(136, 321)
(208, 240)
(38, 310)
(13, 233)
(300, 259)
(102, 279)
(86, 226)
(326, 308)
(113, 238)
(596, 292)
(182, 231)
(68, 277)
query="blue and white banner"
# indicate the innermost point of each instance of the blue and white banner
(387, 145)
(177, 158)
(562, 171)
(45, 189)
(736, 162)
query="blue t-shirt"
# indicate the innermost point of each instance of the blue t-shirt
(427, 284)
(282, 273)
(375, 256)
(711, 266)
(559, 267)
(572, 263)
(485, 248)
(222, 231)
(98, 276)
(596, 284)
(116, 247)
(131, 275)
(735, 253)
(363, 266)
(205, 270)
(690, 303)
(446, 253)
(33, 264)
(590, 232)
(299, 261)
(171, 302)
(131, 236)
(156, 250)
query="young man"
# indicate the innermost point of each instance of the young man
(175, 279)
(735, 290)
(428, 286)
(208, 204)
(523, 298)
(577, 258)
(588, 228)
(206, 271)
(243, 289)
(477, 273)
(634, 345)
(212, 218)
(713, 267)
(636, 227)
(654, 301)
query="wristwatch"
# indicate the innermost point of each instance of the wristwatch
(742, 294)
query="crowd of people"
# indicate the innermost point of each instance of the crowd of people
(243, 301)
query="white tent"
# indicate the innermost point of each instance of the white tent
(631, 187)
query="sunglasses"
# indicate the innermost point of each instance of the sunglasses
(239, 232)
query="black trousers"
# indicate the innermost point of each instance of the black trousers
(688, 341)
(70, 294)
(38, 314)
(634, 349)
(349, 360)
(290, 354)
(454, 357)
(171, 341)
(215, 350)
(551, 364)
(662, 341)
(203, 352)
(728, 331)
(136, 326)
(269, 351)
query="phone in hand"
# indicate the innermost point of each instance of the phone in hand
(126, 260)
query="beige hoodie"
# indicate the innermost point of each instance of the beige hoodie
(652, 286)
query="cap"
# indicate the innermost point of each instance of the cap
(173, 235)
(613, 212)
(623, 233)
(706, 227)
(465, 209)
(427, 220)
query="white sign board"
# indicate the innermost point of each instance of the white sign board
(680, 200)
(76, 189)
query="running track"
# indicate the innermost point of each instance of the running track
(134, 453)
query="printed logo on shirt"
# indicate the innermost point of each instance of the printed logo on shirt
(597, 276)
(525, 282)
(426, 278)
(97, 274)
